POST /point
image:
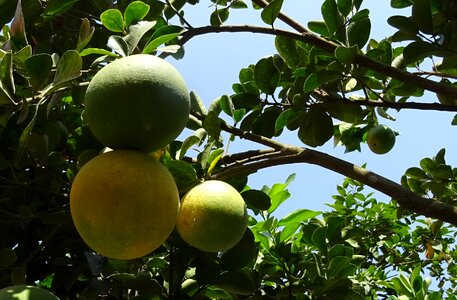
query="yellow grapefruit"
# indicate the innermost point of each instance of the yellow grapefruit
(124, 204)
(212, 217)
(137, 102)
(26, 292)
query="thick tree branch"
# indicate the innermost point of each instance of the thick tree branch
(328, 46)
(405, 198)
(282, 154)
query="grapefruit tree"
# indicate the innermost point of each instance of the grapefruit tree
(78, 76)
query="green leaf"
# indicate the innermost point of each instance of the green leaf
(290, 118)
(18, 37)
(345, 112)
(256, 200)
(212, 122)
(113, 20)
(403, 24)
(332, 18)
(162, 36)
(428, 165)
(271, 11)
(300, 215)
(418, 50)
(7, 8)
(135, 11)
(267, 75)
(287, 49)
(197, 104)
(319, 27)
(238, 282)
(7, 257)
(442, 172)
(421, 15)
(39, 69)
(219, 16)
(344, 7)
(288, 231)
(238, 4)
(119, 45)
(416, 173)
(346, 55)
(320, 78)
(6, 77)
(359, 32)
(316, 127)
(318, 239)
(136, 33)
(57, 7)
(227, 105)
(85, 34)
(194, 139)
(278, 194)
(242, 254)
(183, 173)
(68, 67)
(265, 123)
(89, 51)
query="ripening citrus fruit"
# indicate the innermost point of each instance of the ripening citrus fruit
(124, 204)
(380, 139)
(137, 102)
(212, 216)
(26, 292)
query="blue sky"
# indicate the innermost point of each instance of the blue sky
(211, 66)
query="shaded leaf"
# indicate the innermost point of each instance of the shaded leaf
(344, 6)
(18, 37)
(57, 7)
(68, 67)
(421, 14)
(359, 32)
(242, 254)
(85, 34)
(267, 75)
(219, 16)
(320, 78)
(39, 69)
(271, 11)
(6, 77)
(419, 50)
(256, 200)
(346, 55)
(183, 173)
(316, 127)
(404, 24)
(119, 45)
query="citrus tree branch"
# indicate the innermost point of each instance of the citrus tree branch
(284, 154)
(328, 46)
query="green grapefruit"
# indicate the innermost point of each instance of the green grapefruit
(26, 292)
(380, 139)
(137, 102)
(124, 204)
(212, 216)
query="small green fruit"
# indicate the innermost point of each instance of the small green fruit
(380, 139)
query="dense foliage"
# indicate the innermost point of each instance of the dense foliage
(328, 79)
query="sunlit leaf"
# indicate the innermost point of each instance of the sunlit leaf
(113, 20)
(135, 12)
